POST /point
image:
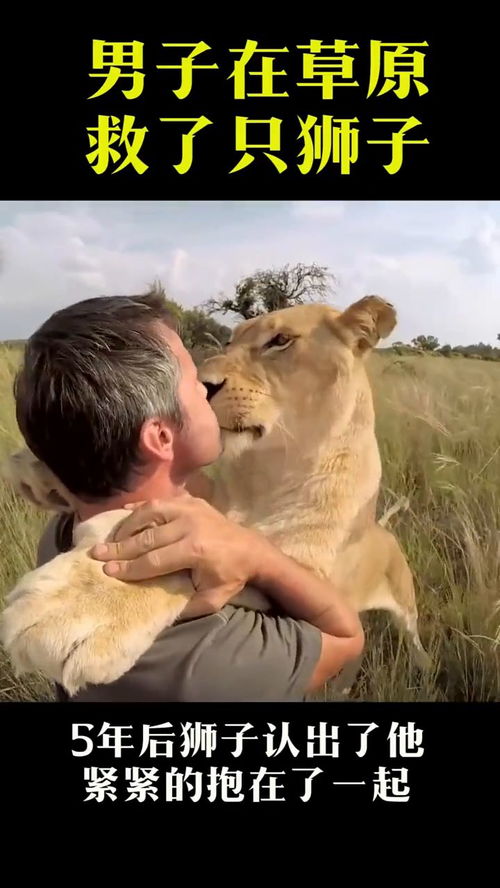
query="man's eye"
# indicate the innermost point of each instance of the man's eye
(279, 341)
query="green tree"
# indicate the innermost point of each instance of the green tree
(273, 289)
(174, 308)
(198, 330)
(426, 343)
(399, 347)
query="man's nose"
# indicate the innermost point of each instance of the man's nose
(213, 387)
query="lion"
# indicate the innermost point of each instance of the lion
(300, 463)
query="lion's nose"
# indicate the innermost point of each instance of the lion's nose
(213, 387)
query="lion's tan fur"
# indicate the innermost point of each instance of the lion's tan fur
(301, 464)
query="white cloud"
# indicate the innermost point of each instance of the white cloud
(311, 209)
(438, 262)
(480, 251)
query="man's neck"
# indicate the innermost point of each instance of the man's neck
(151, 488)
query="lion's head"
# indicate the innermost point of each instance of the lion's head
(292, 370)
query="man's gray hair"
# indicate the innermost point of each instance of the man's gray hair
(92, 374)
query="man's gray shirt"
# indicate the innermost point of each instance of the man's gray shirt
(233, 655)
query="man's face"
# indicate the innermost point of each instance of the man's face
(198, 443)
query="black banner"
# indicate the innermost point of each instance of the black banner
(368, 759)
(316, 110)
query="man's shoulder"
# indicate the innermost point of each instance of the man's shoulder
(57, 537)
(234, 655)
(244, 655)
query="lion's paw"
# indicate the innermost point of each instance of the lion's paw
(76, 626)
(73, 655)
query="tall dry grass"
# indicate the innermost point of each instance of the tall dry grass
(20, 529)
(438, 425)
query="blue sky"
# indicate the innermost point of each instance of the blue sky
(437, 262)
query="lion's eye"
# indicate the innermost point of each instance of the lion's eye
(281, 340)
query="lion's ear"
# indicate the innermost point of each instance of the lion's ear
(33, 481)
(365, 322)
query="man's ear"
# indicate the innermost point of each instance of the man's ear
(156, 439)
(364, 323)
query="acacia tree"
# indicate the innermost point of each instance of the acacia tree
(427, 343)
(273, 289)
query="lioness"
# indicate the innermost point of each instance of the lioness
(301, 464)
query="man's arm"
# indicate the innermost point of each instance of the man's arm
(224, 558)
(305, 596)
(300, 593)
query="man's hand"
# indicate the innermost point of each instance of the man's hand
(187, 533)
(184, 533)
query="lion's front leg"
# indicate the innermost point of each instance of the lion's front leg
(33, 480)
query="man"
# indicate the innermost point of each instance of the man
(109, 399)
